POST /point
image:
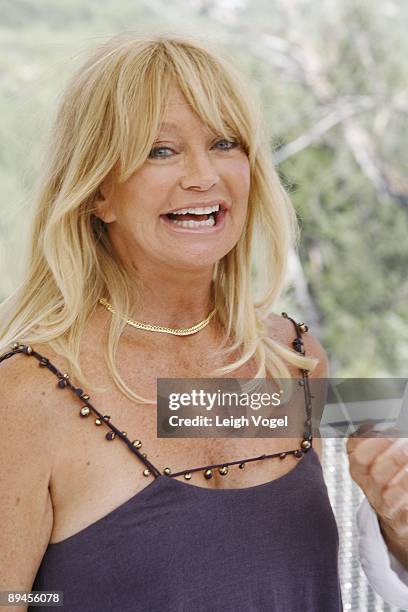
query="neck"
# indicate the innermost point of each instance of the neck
(172, 298)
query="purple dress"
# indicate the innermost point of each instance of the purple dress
(177, 547)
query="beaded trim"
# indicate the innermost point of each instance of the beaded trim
(223, 468)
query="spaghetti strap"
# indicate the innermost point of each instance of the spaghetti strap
(300, 328)
(87, 408)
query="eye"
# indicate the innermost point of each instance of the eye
(155, 152)
(231, 144)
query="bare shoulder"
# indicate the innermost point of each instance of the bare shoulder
(283, 331)
(28, 394)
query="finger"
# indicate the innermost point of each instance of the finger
(354, 438)
(366, 451)
(366, 431)
(364, 428)
(393, 501)
(388, 464)
(401, 478)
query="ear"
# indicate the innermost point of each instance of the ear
(104, 208)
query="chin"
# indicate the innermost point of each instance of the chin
(193, 264)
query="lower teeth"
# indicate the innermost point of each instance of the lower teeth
(209, 222)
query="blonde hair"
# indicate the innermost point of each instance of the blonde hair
(108, 117)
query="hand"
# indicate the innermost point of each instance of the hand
(379, 466)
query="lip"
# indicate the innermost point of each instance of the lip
(215, 229)
(220, 201)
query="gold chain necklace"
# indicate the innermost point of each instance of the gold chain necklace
(187, 331)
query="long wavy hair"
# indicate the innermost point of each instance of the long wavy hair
(108, 117)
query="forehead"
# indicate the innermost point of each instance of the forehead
(179, 115)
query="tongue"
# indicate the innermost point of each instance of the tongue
(188, 217)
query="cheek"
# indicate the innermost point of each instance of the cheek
(241, 177)
(147, 190)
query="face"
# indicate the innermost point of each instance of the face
(186, 206)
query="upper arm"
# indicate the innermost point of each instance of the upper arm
(313, 348)
(25, 469)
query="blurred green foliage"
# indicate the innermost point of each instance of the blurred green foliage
(332, 78)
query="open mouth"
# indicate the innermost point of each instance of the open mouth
(190, 218)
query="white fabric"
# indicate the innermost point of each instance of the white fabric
(384, 572)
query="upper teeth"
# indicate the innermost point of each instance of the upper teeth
(197, 211)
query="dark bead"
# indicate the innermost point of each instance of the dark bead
(79, 392)
(298, 344)
(308, 422)
(282, 455)
(284, 314)
(301, 383)
(307, 435)
(62, 383)
(43, 362)
(106, 417)
(241, 466)
(298, 454)
(110, 435)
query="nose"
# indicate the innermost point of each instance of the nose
(199, 172)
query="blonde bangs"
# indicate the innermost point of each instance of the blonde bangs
(214, 93)
(217, 98)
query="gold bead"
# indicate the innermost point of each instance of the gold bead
(223, 470)
(303, 328)
(29, 350)
(146, 472)
(66, 376)
(144, 455)
(84, 396)
(167, 470)
(282, 455)
(241, 466)
(15, 345)
(98, 422)
(124, 433)
(187, 476)
(208, 474)
(305, 445)
(137, 443)
(84, 411)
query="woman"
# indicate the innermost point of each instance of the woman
(157, 194)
